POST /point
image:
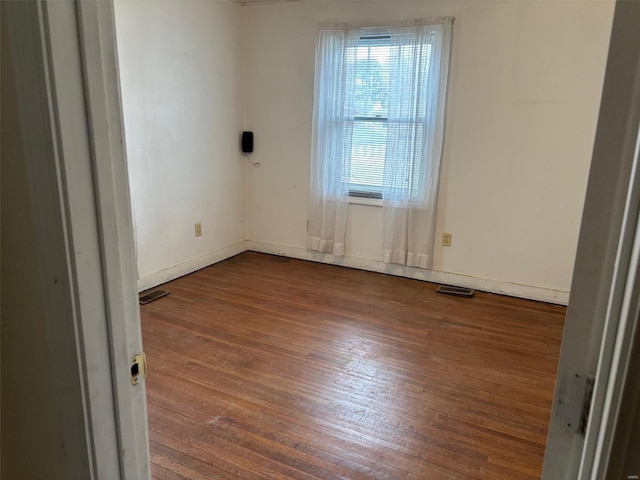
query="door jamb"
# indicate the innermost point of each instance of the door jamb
(102, 90)
(37, 48)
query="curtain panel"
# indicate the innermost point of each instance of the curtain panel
(333, 115)
(420, 65)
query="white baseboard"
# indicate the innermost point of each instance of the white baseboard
(171, 273)
(483, 284)
(478, 283)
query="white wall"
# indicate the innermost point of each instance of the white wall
(181, 80)
(523, 100)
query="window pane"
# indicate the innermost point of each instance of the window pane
(372, 80)
(371, 109)
(404, 160)
(368, 148)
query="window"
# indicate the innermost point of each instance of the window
(372, 91)
(379, 104)
(369, 137)
(378, 125)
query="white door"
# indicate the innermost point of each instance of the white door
(65, 65)
(602, 309)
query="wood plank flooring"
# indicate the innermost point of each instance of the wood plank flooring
(268, 367)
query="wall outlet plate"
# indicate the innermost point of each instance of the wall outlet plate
(446, 239)
(198, 229)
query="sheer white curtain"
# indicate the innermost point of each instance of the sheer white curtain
(333, 114)
(420, 52)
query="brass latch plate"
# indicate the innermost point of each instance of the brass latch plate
(138, 368)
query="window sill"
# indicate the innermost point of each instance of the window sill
(372, 202)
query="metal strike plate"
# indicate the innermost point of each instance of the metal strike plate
(138, 368)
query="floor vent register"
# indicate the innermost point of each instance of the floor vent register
(451, 290)
(151, 296)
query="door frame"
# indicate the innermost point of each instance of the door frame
(97, 36)
(65, 64)
(600, 323)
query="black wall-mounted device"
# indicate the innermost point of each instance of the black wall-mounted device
(247, 142)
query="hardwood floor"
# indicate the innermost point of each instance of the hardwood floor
(268, 367)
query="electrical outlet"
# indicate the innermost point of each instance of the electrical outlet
(446, 239)
(198, 229)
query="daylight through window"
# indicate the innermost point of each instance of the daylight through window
(370, 124)
(368, 144)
